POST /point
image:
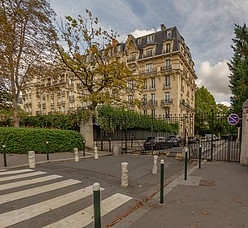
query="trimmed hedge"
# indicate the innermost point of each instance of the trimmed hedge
(22, 140)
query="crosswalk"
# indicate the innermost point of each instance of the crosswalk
(24, 197)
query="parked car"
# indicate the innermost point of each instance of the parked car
(176, 139)
(174, 142)
(157, 143)
(192, 140)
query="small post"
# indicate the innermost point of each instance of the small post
(31, 159)
(97, 206)
(76, 154)
(200, 155)
(124, 174)
(84, 149)
(185, 163)
(155, 167)
(4, 156)
(95, 152)
(47, 152)
(162, 181)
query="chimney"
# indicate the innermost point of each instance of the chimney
(162, 27)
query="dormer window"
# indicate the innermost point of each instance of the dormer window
(167, 48)
(139, 41)
(150, 38)
(168, 34)
(149, 52)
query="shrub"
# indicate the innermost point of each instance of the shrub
(22, 140)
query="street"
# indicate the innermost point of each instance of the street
(60, 194)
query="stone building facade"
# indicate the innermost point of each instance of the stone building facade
(162, 57)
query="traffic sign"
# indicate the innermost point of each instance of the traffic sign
(233, 119)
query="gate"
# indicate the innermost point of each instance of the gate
(220, 138)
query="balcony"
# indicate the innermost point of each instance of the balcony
(166, 102)
(153, 103)
(166, 86)
(152, 88)
(165, 68)
(144, 104)
(148, 72)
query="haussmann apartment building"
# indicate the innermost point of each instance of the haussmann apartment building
(162, 57)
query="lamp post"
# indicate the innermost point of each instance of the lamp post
(4, 156)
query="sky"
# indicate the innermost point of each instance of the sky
(206, 25)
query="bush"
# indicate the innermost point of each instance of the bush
(22, 140)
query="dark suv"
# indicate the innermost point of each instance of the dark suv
(157, 142)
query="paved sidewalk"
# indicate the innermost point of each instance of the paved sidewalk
(215, 196)
(21, 160)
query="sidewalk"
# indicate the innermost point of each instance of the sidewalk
(21, 160)
(214, 196)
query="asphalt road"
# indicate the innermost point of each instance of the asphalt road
(28, 199)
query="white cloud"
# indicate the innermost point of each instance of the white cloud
(216, 79)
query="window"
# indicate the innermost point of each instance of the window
(153, 86)
(145, 97)
(150, 38)
(153, 112)
(153, 96)
(167, 48)
(167, 81)
(167, 97)
(139, 41)
(133, 57)
(130, 97)
(149, 67)
(168, 34)
(130, 85)
(145, 84)
(167, 112)
(167, 63)
(149, 52)
(145, 112)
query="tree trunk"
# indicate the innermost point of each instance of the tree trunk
(16, 120)
(86, 129)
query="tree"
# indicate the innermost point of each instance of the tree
(239, 68)
(204, 107)
(91, 55)
(26, 32)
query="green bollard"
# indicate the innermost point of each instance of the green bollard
(200, 156)
(162, 181)
(4, 156)
(47, 152)
(97, 206)
(185, 163)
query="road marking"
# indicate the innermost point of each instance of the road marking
(19, 215)
(15, 171)
(27, 182)
(86, 216)
(19, 176)
(37, 190)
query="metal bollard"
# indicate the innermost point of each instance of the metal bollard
(124, 174)
(76, 154)
(4, 156)
(155, 167)
(200, 155)
(97, 206)
(47, 152)
(162, 181)
(84, 149)
(31, 159)
(95, 152)
(185, 163)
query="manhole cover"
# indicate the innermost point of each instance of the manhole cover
(206, 183)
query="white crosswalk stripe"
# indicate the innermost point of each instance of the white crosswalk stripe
(83, 217)
(77, 220)
(21, 176)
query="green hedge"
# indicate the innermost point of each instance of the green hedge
(22, 140)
